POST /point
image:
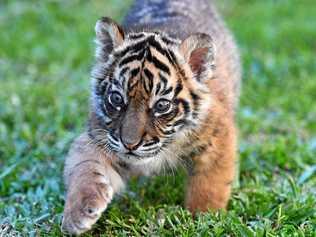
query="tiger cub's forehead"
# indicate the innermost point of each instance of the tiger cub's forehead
(148, 38)
(146, 61)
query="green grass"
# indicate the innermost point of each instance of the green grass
(46, 51)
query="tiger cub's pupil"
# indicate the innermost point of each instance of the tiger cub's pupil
(116, 99)
(162, 106)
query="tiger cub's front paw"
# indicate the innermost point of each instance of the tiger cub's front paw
(84, 207)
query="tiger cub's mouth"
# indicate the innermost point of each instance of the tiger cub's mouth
(142, 150)
(137, 155)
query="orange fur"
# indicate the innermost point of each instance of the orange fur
(209, 184)
(208, 82)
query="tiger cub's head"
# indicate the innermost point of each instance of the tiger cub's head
(148, 89)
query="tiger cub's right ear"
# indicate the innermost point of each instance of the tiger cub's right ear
(108, 36)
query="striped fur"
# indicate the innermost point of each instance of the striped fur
(145, 68)
(165, 88)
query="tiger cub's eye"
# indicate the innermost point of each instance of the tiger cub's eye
(116, 99)
(162, 106)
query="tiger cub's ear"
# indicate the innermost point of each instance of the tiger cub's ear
(199, 52)
(108, 36)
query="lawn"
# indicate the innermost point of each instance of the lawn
(46, 52)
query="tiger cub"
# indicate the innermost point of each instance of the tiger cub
(165, 89)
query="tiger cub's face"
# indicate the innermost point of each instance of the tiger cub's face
(148, 89)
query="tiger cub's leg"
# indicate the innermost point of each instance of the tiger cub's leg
(90, 182)
(210, 181)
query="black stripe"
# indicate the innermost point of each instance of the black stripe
(155, 140)
(158, 64)
(123, 71)
(114, 138)
(110, 73)
(148, 55)
(167, 91)
(148, 74)
(164, 81)
(100, 89)
(161, 50)
(134, 48)
(150, 78)
(160, 129)
(134, 72)
(195, 99)
(184, 103)
(171, 56)
(122, 76)
(124, 82)
(145, 86)
(99, 79)
(117, 83)
(108, 123)
(158, 88)
(171, 115)
(182, 73)
(167, 40)
(168, 132)
(179, 122)
(143, 45)
(133, 57)
(166, 52)
(178, 89)
(136, 36)
(152, 42)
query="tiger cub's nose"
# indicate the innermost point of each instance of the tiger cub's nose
(131, 144)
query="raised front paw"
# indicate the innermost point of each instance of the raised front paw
(84, 206)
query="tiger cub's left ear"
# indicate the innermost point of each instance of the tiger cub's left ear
(199, 52)
(109, 35)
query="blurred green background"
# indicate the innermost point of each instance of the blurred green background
(46, 52)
